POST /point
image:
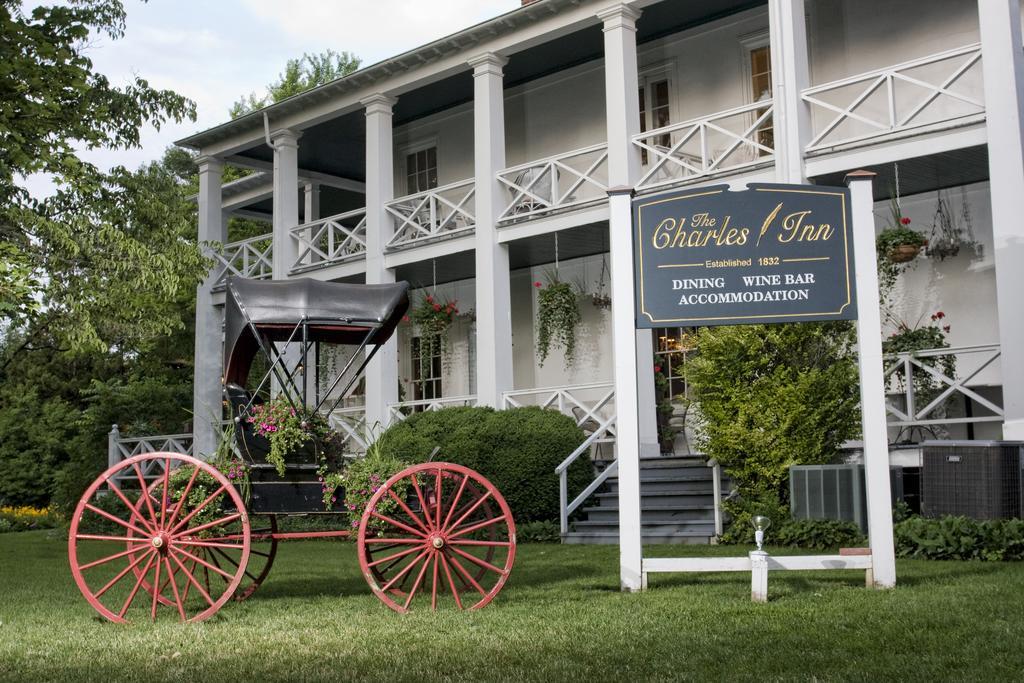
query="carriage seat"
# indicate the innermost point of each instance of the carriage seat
(253, 446)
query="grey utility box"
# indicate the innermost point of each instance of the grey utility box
(834, 492)
(977, 479)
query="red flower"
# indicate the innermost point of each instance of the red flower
(939, 315)
(437, 307)
(456, 311)
(945, 328)
(537, 284)
(405, 318)
(657, 368)
(430, 299)
(905, 221)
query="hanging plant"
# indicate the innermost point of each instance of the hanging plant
(601, 298)
(896, 247)
(951, 232)
(433, 318)
(557, 319)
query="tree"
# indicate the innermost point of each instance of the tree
(77, 273)
(300, 75)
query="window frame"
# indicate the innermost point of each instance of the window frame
(416, 147)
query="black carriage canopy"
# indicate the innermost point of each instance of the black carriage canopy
(332, 312)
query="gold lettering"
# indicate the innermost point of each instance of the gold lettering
(661, 239)
(791, 225)
(744, 234)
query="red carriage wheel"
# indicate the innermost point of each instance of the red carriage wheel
(129, 535)
(437, 534)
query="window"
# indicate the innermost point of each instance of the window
(672, 345)
(421, 170)
(426, 385)
(654, 110)
(761, 91)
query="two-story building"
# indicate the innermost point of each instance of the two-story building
(479, 165)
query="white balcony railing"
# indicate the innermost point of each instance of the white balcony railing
(331, 240)
(250, 258)
(399, 411)
(907, 373)
(120, 448)
(726, 141)
(938, 88)
(441, 212)
(350, 423)
(564, 181)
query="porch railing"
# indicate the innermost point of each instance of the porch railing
(351, 424)
(399, 411)
(940, 87)
(324, 242)
(563, 181)
(250, 258)
(441, 212)
(905, 372)
(591, 405)
(729, 140)
(120, 448)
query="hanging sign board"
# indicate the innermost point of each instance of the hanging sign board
(768, 254)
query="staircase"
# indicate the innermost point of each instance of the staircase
(676, 500)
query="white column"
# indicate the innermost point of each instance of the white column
(286, 198)
(207, 391)
(311, 202)
(493, 295)
(790, 75)
(1003, 69)
(382, 373)
(623, 120)
(872, 382)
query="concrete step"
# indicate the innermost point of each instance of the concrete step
(695, 496)
(706, 528)
(666, 485)
(654, 514)
(612, 538)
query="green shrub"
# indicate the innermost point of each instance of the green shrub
(516, 449)
(818, 534)
(26, 518)
(960, 538)
(740, 509)
(538, 532)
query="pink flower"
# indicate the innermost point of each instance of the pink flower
(905, 221)
(437, 307)
(537, 284)
(334, 499)
(657, 368)
(405, 318)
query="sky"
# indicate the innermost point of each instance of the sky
(216, 51)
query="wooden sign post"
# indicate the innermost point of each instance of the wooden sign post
(768, 254)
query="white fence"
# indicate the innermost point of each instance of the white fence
(564, 181)
(929, 90)
(726, 141)
(119, 449)
(324, 242)
(441, 212)
(399, 411)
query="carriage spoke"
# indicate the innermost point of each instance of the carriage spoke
(144, 491)
(455, 501)
(118, 539)
(192, 580)
(419, 496)
(213, 544)
(395, 541)
(183, 497)
(116, 520)
(490, 544)
(433, 585)
(131, 508)
(104, 560)
(396, 556)
(451, 583)
(156, 589)
(174, 590)
(122, 573)
(472, 508)
(416, 584)
(135, 588)
(197, 509)
(203, 562)
(438, 496)
(396, 523)
(232, 561)
(405, 571)
(213, 558)
(208, 525)
(167, 478)
(408, 511)
(466, 575)
(478, 561)
(479, 525)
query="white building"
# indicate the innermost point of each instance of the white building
(479, 164)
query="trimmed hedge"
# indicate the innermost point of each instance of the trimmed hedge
(516, 449)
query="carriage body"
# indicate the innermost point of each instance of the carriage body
(188, 540)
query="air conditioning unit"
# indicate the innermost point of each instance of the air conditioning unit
(835, 492)
(978, 479)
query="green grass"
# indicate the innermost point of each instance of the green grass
(560, 617)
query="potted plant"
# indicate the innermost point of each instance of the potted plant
(600, 297)
(951, 231)
(909, 339)
(289, 432)
(558, 317)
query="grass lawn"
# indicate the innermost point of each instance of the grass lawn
(560, 617)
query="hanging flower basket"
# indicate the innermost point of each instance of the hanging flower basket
(558, 317)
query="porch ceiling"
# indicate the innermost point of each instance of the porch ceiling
(577, 242)
(924, 174)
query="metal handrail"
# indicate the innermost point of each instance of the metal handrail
(565, 508)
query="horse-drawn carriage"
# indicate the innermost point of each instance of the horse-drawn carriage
(170, 533)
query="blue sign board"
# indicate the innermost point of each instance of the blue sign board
(768, 254)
